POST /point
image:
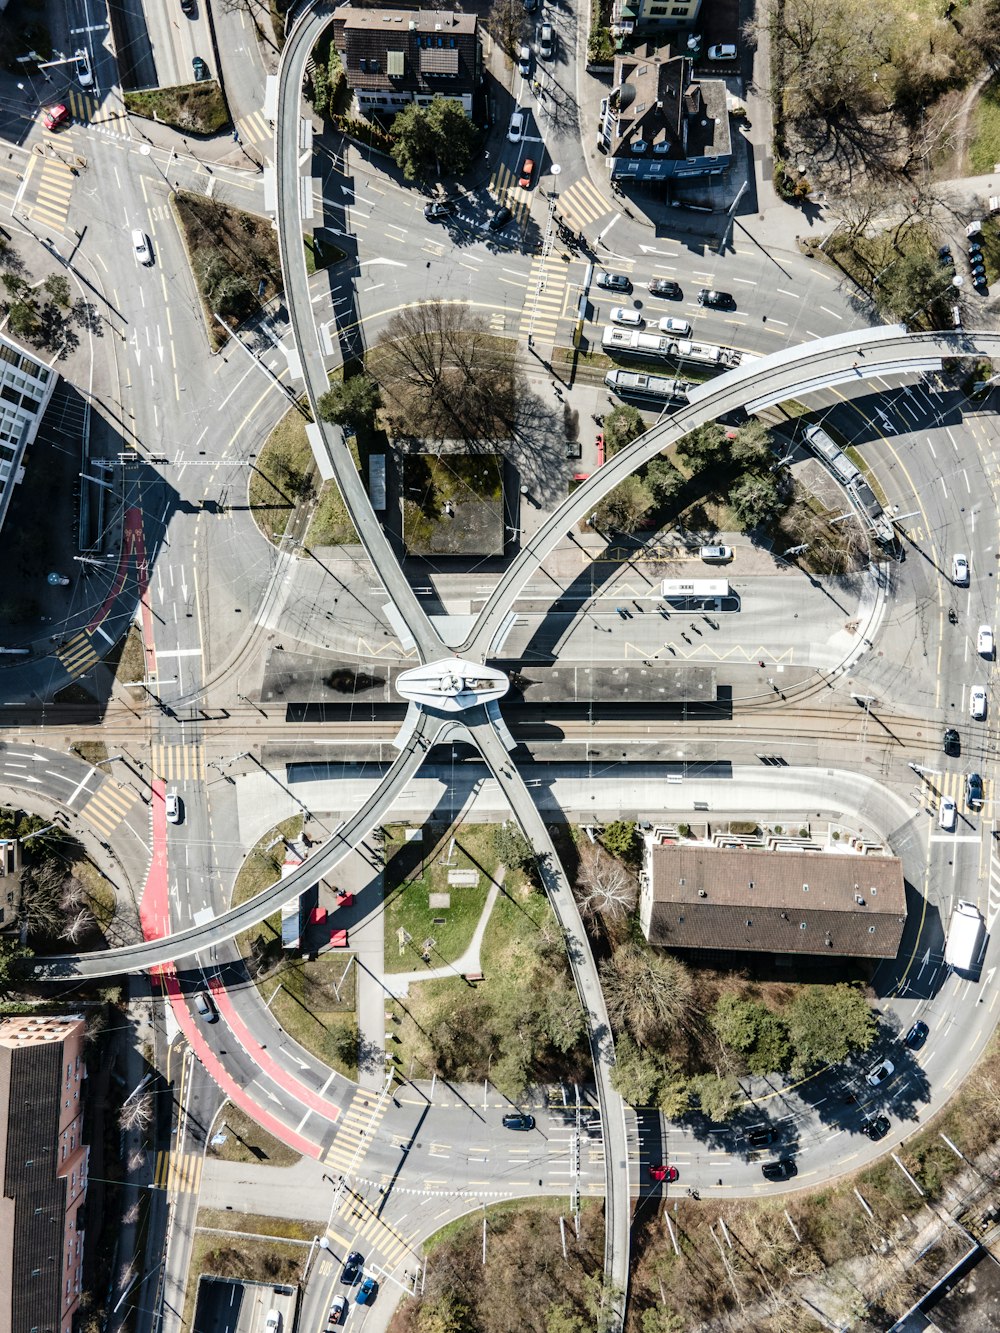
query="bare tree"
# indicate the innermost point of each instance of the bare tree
(506, 23)
(604, 886)
(137, 1112)
(41, 898)
(648, 993)
(79, 925)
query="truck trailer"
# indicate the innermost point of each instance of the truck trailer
(964, 945)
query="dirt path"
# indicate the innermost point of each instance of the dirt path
(959, 165)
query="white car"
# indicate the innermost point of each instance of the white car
(725, 51)
(515, 131)
(880, 1073)
(984, 641)
(174, 809)
(524, 61)
(623, 314)
(680, 327)
(273, 1322)
(948, 813)
(84, 74)
(960, 570)
(141, 247)
(977, 703)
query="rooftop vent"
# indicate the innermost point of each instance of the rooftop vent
(859, 900)
(702, 893)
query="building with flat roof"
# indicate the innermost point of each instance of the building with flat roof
(695, 895)
(43, 1172)
(392, 57)
(26, 385)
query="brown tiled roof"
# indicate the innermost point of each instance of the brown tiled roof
(662, 108)
(433, 50)
(776, 901)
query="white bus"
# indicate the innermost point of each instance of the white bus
(681, 589)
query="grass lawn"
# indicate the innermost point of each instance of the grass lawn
(413, 871)
(132, 663)
(277, 1261)
(308, 1008)
(284, 475)
(453, 504)
(246, 1141)
(250, 1224)
(984, 146)
(320, 253)
(196, 108)
(91, 752)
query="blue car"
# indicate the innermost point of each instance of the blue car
(367, 1291)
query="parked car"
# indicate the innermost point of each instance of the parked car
(876, 1127)
(187, 7)
(623, 314)
(717, 300)
(679, 327)
(984, 641)
(439, 208)
(499, 218)
(761, 1135)
(338, 1311)
(877, 1076)
(200, 69)
(952, 740)
(974, 791)
(54, 116)
(960, 571)
(515, 130)
(351, 1270)
(546, 41)
(716, 554)
(977, 703)
(945, 256)
(84, 74)
(916, 1036)
(947, 813)
(664, 287)
(367, 1291)
(272, 1323)
(783, 1169)
(723, 51)
(527, 173)
(524, 61)
(614, 282)
(518, 1120)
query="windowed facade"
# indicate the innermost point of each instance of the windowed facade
(26, 386)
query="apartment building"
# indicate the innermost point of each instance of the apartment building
(43, 1172)
(26, 385)
(392, 57)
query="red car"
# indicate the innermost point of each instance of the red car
(527, 171)
(54, 116)
(661, 1173)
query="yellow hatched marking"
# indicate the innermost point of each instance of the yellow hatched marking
(108, 807)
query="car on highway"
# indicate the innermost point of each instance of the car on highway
(614, 282)
(499, 218)
(439, 208)
(515, 130)
(141, 247)
(715, 554)
(952, 740)
(680, 328)
(54, 116)
(875, 1126)
(546, 41)
(174, 808)
(783, 1169)
(960, 571)
(723, 51)
(351, 1270)
(716, 300)
(947, 813)
(527, 173)
(84, 74)
(367, 1291)
(877, 1076)
(974, 791)
(272, 1324)
(518, 1120)
(664, 287)
(524, 61)
(761, 1135)
(623, 314)
(338, 1311)
(200, 69)
(916, 1036)
(984, 641)
(977, 703)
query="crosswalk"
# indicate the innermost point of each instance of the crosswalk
(582, 204)
(505, 189)
(179, 763)
(355, 1128)
(256, 129)
(178, 1172)
(358, 1226)
(50, 204)
(108, 807)
(89, 110)
(953, 784)
(545, 298)
(78, 654)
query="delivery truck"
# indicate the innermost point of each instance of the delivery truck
(964, 945)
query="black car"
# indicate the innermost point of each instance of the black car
(187, 7)
(200, 69)
(760, 1136)
(973, 790)
(500, 218)
(530, 6)
(952, 742)
(438, 208)
(916, 1036)
(351, 1270)
(946, 257)
(614, 282)
(518, 1120)
(876, 1127)
(665, 287)
(716, 300)
(783, 1169)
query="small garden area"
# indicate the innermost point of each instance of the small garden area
(195, 108)
(453, 504)
(284, 476)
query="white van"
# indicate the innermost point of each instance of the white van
(141, 246)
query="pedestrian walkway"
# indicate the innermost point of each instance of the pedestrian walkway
(398, 983)
(505, 189)
(362, 1228)
(255, 129)
(545, 298)
(582, 204)
(179, 763)
(178, 1172)
(108, 807)
(78, 654)
(355, 1129)
(90, 110)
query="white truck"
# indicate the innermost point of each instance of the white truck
(963, 946)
